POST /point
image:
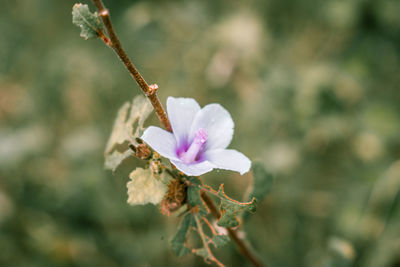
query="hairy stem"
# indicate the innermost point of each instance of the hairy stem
(149, 90)
(242, 246)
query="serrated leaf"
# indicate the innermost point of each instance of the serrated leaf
(89, 22)
(127, 126)
(230, 208)
(220, 240)
(203, 252)
(178, 241)
(144, 188)
(263, 181)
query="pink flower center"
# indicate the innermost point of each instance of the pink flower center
(192, 153)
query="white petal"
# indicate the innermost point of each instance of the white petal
(161, 141)
(218, 123)
(181, 112)
(194, 169)
(228, 159)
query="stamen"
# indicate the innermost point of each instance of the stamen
(200, 138)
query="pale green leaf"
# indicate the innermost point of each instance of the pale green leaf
(89, 22)
(144, 188)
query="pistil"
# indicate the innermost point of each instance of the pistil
(199, 140)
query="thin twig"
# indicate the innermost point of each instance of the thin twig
(242, 246)
(205, 242)
(149, 90)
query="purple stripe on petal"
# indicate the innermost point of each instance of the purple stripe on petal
(192, 153)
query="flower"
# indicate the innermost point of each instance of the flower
(199, 139)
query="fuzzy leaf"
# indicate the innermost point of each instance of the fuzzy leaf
(203, 252)
(127, 126)
(263, 181)
(178, 241)
(262, 184)
(144, 188)
(89, 22)
(220, 240)
(230, 209)
(193, 194)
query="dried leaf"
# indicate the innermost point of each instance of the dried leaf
(144, 188)
(113, 160)
(140, 110)
(128, 125)
(175, 197)
(119, 134)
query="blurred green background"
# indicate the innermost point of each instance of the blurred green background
(313, 87)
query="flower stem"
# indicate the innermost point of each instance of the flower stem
(149, 90)
(151, 93)
(242, 246)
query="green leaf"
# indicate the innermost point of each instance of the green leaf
(193, 195)
(203, 252)
(230, 209)
(89, 22)
(263, 181)
(178, 241)
(262, 184)
(128, 125)
(220, 240)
